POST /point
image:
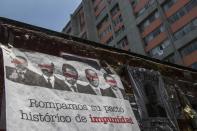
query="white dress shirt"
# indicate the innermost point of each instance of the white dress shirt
(117, 92)
(69, 85)
(96, 90)
(51, 79)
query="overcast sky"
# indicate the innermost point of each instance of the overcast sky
(50, 14)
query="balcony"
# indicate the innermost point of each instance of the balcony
(155, 24)
(156, 41)
(126, 48)
(118, 26)
(184, 20)
(116, 15)
(100, 8)
(105, 38)
(140, 5)
(176, 7)
(97, 2)
(104, 26)
(190, 59)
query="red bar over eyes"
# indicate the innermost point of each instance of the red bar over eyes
(111, 81)
(15, 61)
(70, 75)
(45, 66)
(92, 77)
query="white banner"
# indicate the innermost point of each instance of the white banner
(48, 93)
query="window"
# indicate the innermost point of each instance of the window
(156, 32)
(189, 48)
(194, 23)
(146, 6)
(191, 5)
(140, 12)
(101, 25)
(165, 44)
(177, 15)
(95, 8)
(159, 49)
(115, 10)
(179, 34)
(151, 18)
(96, 2)
(81, 19)
(123, 43)
(186, 29)
(153, 34)
(104, 21)
(133, 2)
(99, 7)
(110, 40)
(180, 13)
(156, 14)
(148, 38)
(148, 21)
(120, 30)
(105, 32)
(117, 20)
(168, 4)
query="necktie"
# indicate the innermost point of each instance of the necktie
(114, 88)
(117, 92)
(74, 88)
(20, 76)
(97, 91)
(49, 82)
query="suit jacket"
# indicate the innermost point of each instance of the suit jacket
(58, 84)
(109, 92)
(86, 89)
(28, 79)
(61, 85)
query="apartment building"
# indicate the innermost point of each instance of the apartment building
(162, 29)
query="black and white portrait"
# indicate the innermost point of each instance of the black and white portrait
(93, 85)
(48, 78)
(20, 72)
(113, 90)
(70, 77)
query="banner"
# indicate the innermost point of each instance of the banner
(72, 93)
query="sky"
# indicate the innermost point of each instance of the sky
(50, 14)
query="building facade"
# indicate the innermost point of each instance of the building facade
(162, 29)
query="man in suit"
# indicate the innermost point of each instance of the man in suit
(71, 76)
(21, 73)
(93, 86)
(113, 90)
(48, 79)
